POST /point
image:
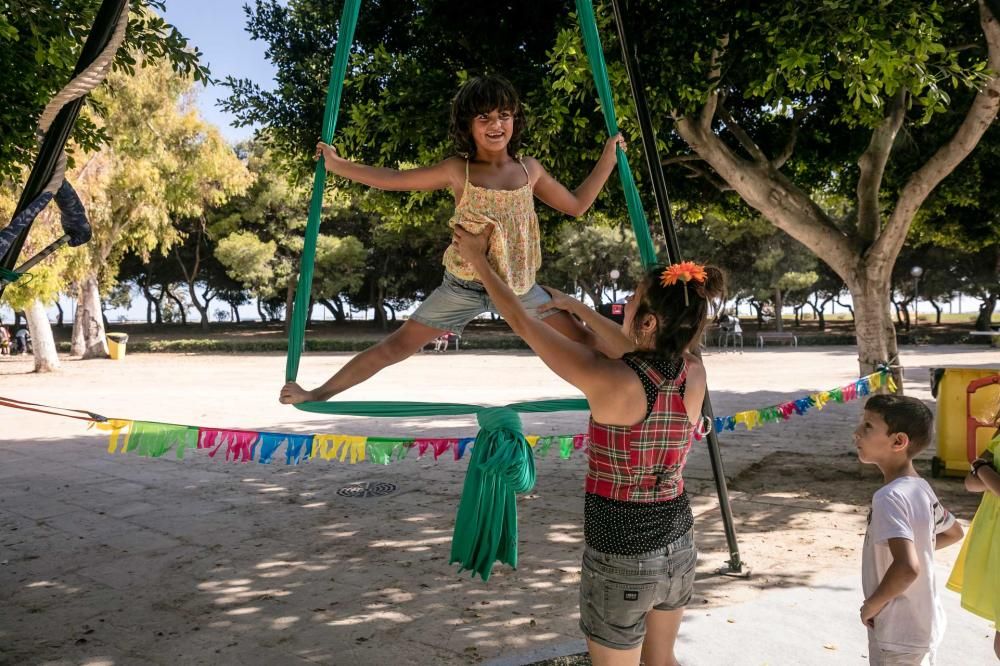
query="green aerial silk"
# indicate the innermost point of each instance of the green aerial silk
(595, 54)
(334, 93)
(502, 463)
(408, 409)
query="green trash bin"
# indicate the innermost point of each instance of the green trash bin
(116, 345)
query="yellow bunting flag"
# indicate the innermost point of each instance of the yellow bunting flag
(330, 447)
(115, 428)
(532, 440)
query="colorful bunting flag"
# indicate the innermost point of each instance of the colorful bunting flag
(155, 439)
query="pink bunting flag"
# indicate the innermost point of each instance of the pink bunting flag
(240, 446)
(440, 446)
(238, 443)
(210, 437)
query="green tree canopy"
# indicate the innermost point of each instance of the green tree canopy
(835, 119)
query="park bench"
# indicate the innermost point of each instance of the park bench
(995, 336)
(772, 336)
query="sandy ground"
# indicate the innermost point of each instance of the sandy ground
(124, 560)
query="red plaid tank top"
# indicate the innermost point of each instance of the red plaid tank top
(643, 463)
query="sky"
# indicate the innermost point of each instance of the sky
(217, 28)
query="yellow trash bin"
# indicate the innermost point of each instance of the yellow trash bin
(954, 405)
(116, 345)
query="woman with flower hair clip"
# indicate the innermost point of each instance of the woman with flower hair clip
(645, 389)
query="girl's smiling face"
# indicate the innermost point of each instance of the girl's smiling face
(492, 131)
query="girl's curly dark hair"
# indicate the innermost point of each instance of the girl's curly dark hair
(483, 94)
(679, 323)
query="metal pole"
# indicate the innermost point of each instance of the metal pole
(648, 137)
(735, 563)
(55, 139)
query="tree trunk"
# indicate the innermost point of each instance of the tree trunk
(181, 309)
(201, 307)
(779, 304)
(594, 293)
(236, 314)
(377, 297)
(61, 315)
(336, 310)
(902, 313)
(873, 326)
(158, 306)
(338, 313)
(289, 304)
(822, 316)
(847, 307)
(76, 345)
(938, 309)
(152, 305)
(260, 311)
(89, 339)
(986, 309)
(43, 344)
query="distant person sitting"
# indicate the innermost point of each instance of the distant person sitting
(441, 342)
(22, 341)
(4, 341)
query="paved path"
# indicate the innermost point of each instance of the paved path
(123, 560)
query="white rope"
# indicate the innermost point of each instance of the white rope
(81, 84)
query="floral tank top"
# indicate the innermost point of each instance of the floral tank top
(515, 251)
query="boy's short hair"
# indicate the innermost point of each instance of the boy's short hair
(483, 94)
(903, 413)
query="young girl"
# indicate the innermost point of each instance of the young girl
(492, 185)
(645, 393)
(977, 570)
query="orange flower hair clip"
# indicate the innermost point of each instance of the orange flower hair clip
(685, 271)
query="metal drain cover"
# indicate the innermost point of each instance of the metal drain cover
(367, 489)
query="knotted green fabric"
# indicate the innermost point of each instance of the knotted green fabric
(501, 465)
(502, 462)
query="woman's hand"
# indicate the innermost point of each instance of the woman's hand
(293, 394)
(609, 147)
(472, 247)
(560, 301)
(328, 153)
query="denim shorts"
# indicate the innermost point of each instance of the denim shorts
(617, 592)
(457, 302)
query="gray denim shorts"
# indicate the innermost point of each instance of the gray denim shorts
(617, 592)
(457, 302)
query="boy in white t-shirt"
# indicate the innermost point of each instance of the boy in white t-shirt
(906, 524)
